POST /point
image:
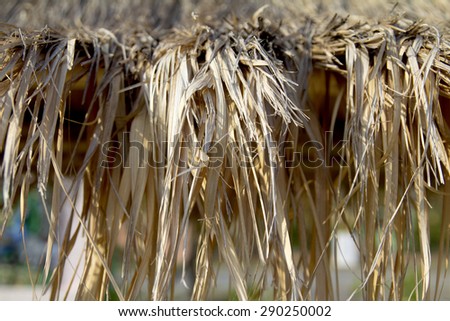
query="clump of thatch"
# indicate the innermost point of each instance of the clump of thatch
(257, 137)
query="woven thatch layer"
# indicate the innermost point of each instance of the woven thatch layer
(209, 107)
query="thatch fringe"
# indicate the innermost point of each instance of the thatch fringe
(265, 136)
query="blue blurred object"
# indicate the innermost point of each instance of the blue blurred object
(35, 229)
(11, 242)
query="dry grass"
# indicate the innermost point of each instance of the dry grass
(214, 99)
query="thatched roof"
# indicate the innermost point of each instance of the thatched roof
(224, 119)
